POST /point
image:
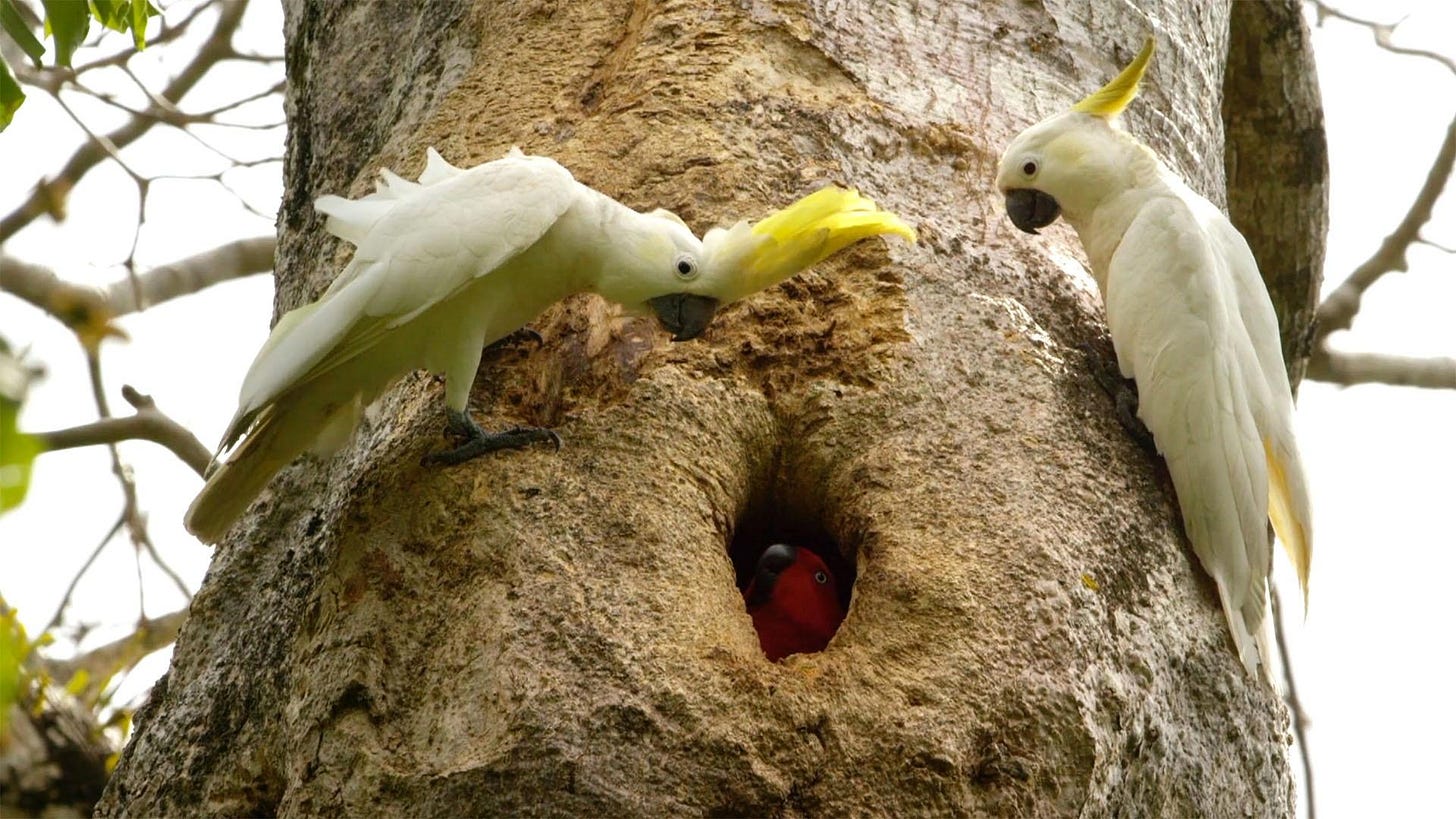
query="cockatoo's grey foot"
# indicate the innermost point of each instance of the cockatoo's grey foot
(478, 441)
(517, 336)
(1124, 397)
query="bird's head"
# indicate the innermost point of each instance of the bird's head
(1068, 163)
(653, 270)
(748, 257)
(794, 601)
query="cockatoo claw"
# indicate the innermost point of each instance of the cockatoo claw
(478, 441)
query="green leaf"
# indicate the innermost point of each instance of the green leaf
(78, 682)
(14, 648)
(17, 452)
(15, 26)
(114, 14)
(10, 95)
(68, 21)
(140, 11)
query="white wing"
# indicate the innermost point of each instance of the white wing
(1173, 310)
(418, 243)
(1289, 505)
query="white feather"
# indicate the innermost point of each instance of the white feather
(1192, 323)
(441, 268)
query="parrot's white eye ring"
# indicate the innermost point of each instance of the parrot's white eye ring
(821, 578)
(686, 267)
(1029, 168)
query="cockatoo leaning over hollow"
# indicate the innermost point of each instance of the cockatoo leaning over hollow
(462, 258)
(1192, 323)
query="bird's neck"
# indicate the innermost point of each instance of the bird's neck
(581, 247)
(628, 238)
(1103, 223)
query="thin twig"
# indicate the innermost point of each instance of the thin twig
(1382, 33)
(100, 140)
(170, 115)
(166, 35)
(1338, 310)
(1297, 715)
(136, 522)
(141, 585)
(148, 424)
(71, 588)
(43, 199)
(1437, 245)
(171, 573)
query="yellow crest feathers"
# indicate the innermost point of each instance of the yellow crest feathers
(1109, 100)
(813, 228)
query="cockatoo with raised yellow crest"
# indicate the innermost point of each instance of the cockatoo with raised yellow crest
(1192, 324)
(464, 257)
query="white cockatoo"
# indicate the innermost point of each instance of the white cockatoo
(1192, 324)
(464, 257)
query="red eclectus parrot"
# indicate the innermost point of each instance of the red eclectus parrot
(793, 600)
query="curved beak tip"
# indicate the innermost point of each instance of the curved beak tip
(1030, 209)
(684, 315)
(774, 560)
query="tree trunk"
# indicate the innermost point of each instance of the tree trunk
(560, 633)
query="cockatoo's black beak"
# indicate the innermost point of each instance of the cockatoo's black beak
(684, 315)
(1030, 209)
(771, 564)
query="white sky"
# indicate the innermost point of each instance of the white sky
(1373, 659)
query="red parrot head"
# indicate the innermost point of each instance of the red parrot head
(793, 601)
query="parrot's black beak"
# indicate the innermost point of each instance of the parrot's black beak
(684, 315)
(771, 564)
(1030, 209)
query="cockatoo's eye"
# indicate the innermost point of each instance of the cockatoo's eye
(821, 578)
(686, 267)
(1029, 169)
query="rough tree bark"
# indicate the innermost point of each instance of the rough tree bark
(559, 633)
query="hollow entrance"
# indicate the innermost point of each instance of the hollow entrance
(792, 607)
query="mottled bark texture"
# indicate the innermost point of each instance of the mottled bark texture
(1277, 161)
(559, 633)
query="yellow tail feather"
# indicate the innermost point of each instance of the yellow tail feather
(1286, 524)
(1109, 100)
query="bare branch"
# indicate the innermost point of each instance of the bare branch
(83, 309)
(1346, 368)
(104, 662)
(233, 260)
(49, 192)
(1337, 312)
(1339, 308)
(79, 306)
(148, 424)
